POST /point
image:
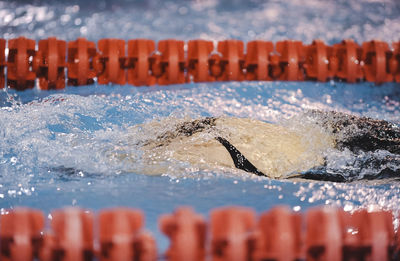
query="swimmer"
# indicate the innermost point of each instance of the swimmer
(265, 149)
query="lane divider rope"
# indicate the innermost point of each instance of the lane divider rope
(138, 62)
(231, 234)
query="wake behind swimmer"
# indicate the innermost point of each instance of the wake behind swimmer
(277, 151)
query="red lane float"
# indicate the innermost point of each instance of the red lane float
(187, 233)
(397, 247)
(279, 236)
(118, 228)
(380, 234)
(257, 60)
(72, 238)
(145, 247)
(231, 233)
(20, 68)
(368, 235)
(138, 62)
(171, 62)
(375, 57)
(290, 59)
(394, 62)
(323, 241)
(20, 234)
(121, 236)
(110, 66)
(51, 64)
(81, 54)
(317, 61)
(2, 62)
(232, 60)
(198, 60)
(348, 54)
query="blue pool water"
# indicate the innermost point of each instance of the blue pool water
(54, 144)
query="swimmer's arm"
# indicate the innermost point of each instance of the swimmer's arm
(239, 160)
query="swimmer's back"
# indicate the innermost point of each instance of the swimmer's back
(272, 149)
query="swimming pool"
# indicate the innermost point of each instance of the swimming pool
(54, 143)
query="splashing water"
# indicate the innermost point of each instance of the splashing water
(79, 132)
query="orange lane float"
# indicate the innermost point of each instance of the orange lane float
(375, 57)
(317, 65)
(20, 234)
(2, 62)
(51, 64)
(110, 62)
(394, 62)
(290, 59)
(232, 60)
(171, 62)
(200, 61)
(348, 53)
(72, 237)
(20, 69)
(121, 237)
(278, 236)
(187, 233)
(368, 236)
(117, 230)
(257, 61)
(81, 54)
(323, 241)
(138, 63)
(231, 233)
